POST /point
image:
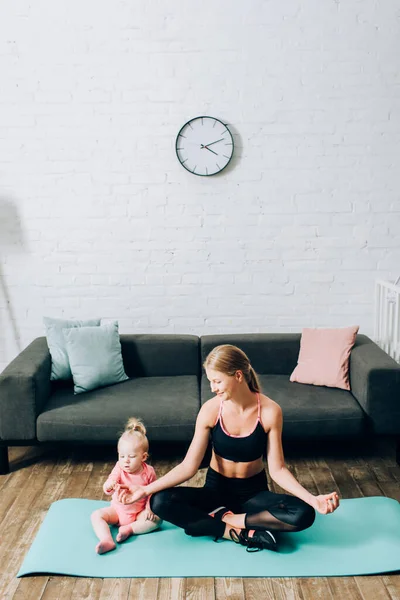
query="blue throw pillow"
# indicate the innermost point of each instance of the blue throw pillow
(95, 356)
(60, 368)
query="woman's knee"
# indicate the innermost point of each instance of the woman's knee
(305, 517)
(295, 513)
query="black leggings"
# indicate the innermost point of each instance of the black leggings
(188, 507)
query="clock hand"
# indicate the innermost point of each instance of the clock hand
(202, 146)
(216, 142)
(211, 150)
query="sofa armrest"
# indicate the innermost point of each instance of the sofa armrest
(24, 389)
(375, 383)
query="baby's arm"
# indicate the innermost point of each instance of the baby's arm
(109, 486)
(112, 480)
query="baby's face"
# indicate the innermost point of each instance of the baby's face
(131, 455)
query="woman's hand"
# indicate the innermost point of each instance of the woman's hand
(149, 515)
(326, 503)
(130, 495)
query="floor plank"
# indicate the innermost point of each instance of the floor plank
(142, 589)
(229, 587)
(172, 589)
(322, 475)
(303, 476)
(279, 588)
(115, 589)
(345, 485)
(385, 478)
(372, 588)
(392, 584)
(19, 526)
(200, 588)
(287, 588)
(87, 588)
(257, 587)
(316, 588)
(344, 587)
(58, 588)
(31, 588)
(365, 481)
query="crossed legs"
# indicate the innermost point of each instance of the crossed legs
(274, 512)
(189, 507)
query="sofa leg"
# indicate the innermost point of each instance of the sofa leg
(4, 464)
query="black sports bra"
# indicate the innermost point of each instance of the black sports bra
(239, 448)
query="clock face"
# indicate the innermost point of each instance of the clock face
(204, 146)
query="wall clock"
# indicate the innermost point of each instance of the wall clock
(204, 146)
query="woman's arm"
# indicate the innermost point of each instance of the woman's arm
(278, 471)
(186, 469)
(190, 464)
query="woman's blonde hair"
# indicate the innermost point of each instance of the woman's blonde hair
(228, 359)
(136, 427)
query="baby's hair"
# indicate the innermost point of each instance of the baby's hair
(136, 427)
(228, 359)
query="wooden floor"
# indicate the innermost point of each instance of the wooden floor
(41, 476)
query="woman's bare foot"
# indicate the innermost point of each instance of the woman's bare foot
(236, 521)
(227, 516)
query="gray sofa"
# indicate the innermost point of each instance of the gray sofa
(167, 387)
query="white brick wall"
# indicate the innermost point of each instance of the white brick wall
(97, 217)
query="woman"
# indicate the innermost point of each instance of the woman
(235, 502)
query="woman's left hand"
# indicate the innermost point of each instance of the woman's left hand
(326, 503)
(149, 515)
(129, 495)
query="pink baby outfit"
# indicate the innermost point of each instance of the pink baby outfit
(127, 513)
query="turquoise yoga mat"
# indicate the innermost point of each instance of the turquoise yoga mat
(362, 537)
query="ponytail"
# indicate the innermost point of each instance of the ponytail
(229, 359)
(252, 381)
(134, 424)
(136, 427)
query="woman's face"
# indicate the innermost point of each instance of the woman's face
(221, 384)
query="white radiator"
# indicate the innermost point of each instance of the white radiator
(387, 317)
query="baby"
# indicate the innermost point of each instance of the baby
(130, 470)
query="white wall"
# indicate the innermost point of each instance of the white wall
(97, 217)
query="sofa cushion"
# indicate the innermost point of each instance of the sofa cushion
(94, 356)
(268, 352)
(167, 405)
(324, 357)
(60, 367)
(160, 355)
(309, 411)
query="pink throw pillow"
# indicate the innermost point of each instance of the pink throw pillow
(324, 357)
